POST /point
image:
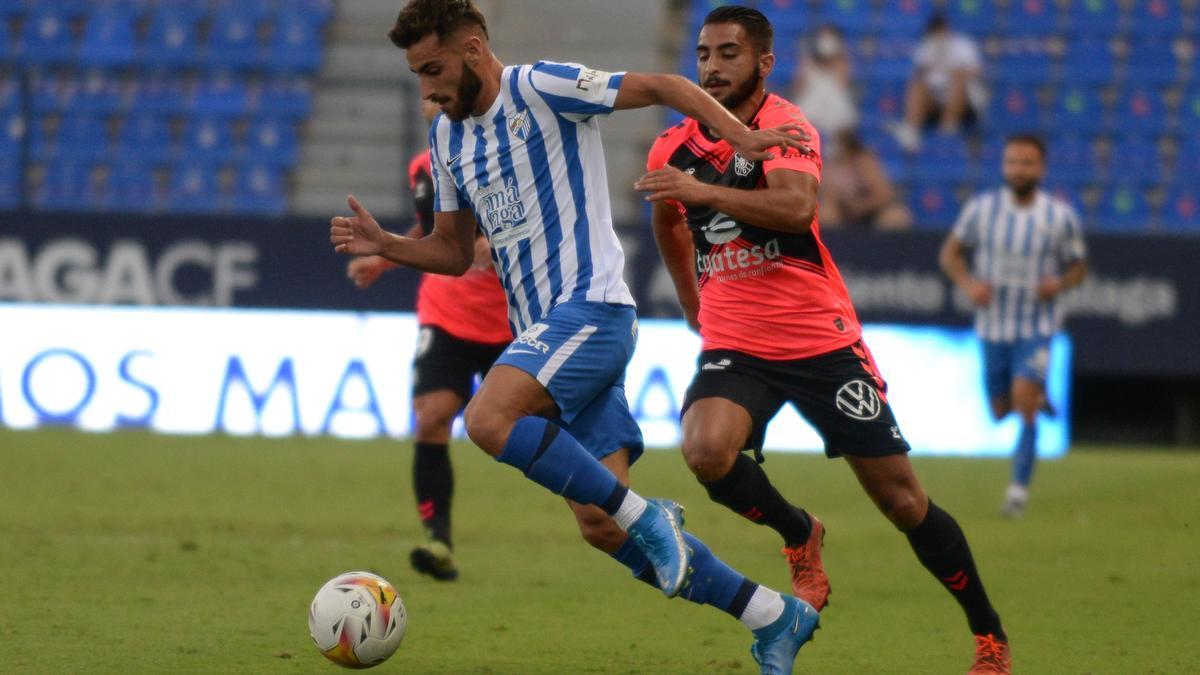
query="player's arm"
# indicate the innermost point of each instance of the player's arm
(1071, 277)
(639, 90)
(678, 254)
(366, 270)
(449, 249)
(952, 258)
(787, 204)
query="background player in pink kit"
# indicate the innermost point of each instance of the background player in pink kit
(463, 330)
(778, 327)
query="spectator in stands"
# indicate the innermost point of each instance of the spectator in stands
(823, 87)
(856, 191)
(946, 89)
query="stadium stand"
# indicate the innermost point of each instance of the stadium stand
(155, 105)
(1113, 85)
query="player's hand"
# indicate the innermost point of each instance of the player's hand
(1050, 287)
(483, 255)
(359, 234)
(365, 271)
(979, 293)
(765, 144)
(671, 183)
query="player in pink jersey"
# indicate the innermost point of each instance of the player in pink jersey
(463, 330)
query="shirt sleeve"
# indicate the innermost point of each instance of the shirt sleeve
(575, 91)
(446, 195)
(1072, 247)
(966, 228)
(791, 159)
(660, 155)
(965, 54)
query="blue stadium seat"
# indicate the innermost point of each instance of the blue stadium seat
(233, 38)
(1181, 209)
(8, 50)
(10, 93)
(1073, 161)
(10, 183)
(892, 63)
(83, 137)
(1026, 68)
(131, 188)
(1014, 109)
(975, 17)
(1187, 160)
(259, 189)
(1189, 111)
(12, 133)
(98, 93)
(209, 139)
(109, 39)
(146, 136)
(852, 17)
(934, 206)
(882, 102)
(1034, 17)
(1078, 109)
(193, 189)
(1089, 62)
(64, 187)
(791, 19)
(296, 42)
(1123, 208)
(1141, 109)
(906, 18)
(161, 95)
(172, 38)
(273, 142)
(1093, 18)
(1136, 159)
(1152, 63)
(942, 159)
(288, 98)
(1161, 18)
(223, 94)
(46, 38)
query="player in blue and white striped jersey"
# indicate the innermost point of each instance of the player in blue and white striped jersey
(518, 149)
(1027, 248)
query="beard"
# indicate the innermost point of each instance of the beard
(467, 95)
(739, 94)
(1023, 189)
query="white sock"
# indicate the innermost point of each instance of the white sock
(631, 509)
(764, 608)
(1018, 493)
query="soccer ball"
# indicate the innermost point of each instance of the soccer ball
(357, 620)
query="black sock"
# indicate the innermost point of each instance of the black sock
(749, 493)
(942, 548)
(433, 483)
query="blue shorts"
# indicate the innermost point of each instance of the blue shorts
(578, 352)
(1004, 362)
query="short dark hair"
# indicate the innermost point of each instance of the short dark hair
(1028, 139)
(441, 17)
(756, 25)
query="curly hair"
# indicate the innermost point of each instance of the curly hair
(441, 17)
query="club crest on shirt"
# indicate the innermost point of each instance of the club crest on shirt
(519, 125)
(741, 165)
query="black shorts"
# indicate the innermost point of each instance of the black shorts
(444, 362)
(840, 393)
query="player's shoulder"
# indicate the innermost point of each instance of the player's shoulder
(1063, 208)
(778, 110)
(668, 141)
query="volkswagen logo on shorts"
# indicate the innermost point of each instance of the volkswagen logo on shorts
(859, 400)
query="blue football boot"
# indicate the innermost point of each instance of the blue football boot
(659, 535)
(776, 645)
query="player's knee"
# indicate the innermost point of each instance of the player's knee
(487, 427)
(599, 530)
(432, 418)
(904, 508)
(709, 456)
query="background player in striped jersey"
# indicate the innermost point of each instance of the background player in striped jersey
(1027, 249)
(517, 149)
(778, 327)
(463, 329)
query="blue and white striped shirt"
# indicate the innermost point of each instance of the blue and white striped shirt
(1015, 248)
(532, 169)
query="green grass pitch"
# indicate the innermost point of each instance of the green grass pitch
(133, 553)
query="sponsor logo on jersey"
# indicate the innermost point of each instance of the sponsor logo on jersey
(530, 338)
(741, 165)
(721, 229)
(735, 259)
(503, 214)
(857, 399)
